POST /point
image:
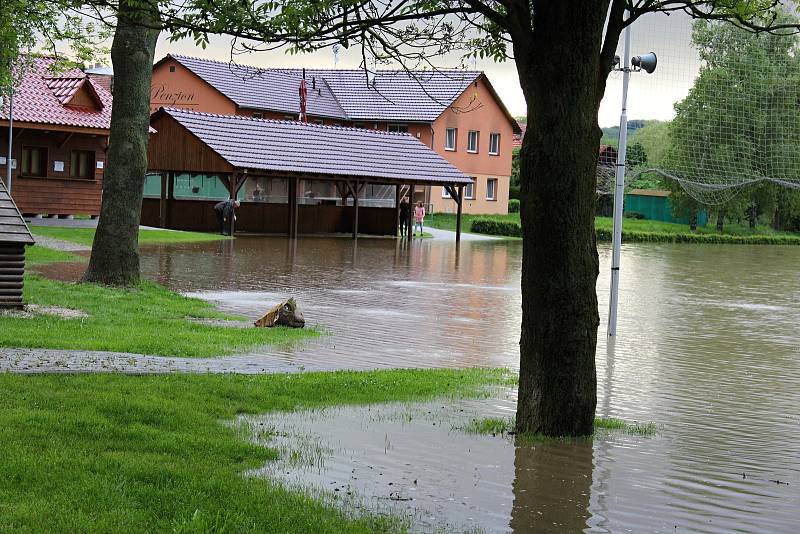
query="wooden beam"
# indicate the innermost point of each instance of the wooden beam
(170, 198)
(162, 203)
(355, 208)
(460, 201)
(396, 209)
(410, 223)
(66, 139)
(292, 201)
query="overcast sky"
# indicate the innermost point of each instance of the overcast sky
(651, 96)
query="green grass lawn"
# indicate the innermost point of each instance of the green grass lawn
(115, 453)
(148, 319)
(85, 236)
(37, 255)
(646, 230)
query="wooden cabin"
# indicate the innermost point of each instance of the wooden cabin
(61, 124)
(14, 236)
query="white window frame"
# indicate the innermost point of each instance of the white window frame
(495, 182)
(473, 186)
(473, 134)
(445, 193)
(397, 128)
(447, 139)
(494, 135)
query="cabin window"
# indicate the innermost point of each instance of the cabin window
(397, 128)
(491, 189)
(472, 142)
(445, 193)
(450, 138)
(258, 115)
(81, 164)
(34, 161)
(494, 144)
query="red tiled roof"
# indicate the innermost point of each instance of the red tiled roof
(298, 147)
(393, 95)
(41, 96)
(518, 137)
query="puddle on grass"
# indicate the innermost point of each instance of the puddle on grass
(417, 462)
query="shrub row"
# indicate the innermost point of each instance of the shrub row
(513, 205)
(495, 227)
(514, 229)
(605, 234)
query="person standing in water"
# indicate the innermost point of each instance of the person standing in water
(405, 213)
(419, 218)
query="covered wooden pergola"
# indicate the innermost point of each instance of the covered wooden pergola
(235, 148)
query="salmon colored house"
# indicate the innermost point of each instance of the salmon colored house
(61, 128)
(456, 113)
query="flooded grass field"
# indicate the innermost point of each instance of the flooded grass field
(708, 349)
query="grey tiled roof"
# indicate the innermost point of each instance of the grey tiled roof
(12, 225)
(343, 94)
(297, 147)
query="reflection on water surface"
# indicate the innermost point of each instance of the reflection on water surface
(708, 348)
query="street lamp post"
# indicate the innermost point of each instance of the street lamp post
(10, 137)
(646, 63)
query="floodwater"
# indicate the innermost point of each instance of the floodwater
(708, 349)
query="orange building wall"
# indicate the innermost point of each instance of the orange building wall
(184, 89)
(476, 109)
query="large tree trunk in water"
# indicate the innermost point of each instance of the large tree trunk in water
(115, 251)
(560, 75)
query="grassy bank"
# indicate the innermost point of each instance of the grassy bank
(113, 453)
(85, 236)
(38, 255)
(633, 230)
(148, 320)
(505, 425)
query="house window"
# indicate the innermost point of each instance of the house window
(81, 164)
(258, 115)
(491, 189)
(358, 125)
(445, 193)
(469, 190)
(34, 161)
(494, 144)
(450, 139)
(398, 128)
(172, 68)
(318, 121)
(289, 117)
(472, 142)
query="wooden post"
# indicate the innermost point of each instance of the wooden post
(460, 201)
(162, 202)
(170, 198)
(355, 210)
(396, 208)
(410, 223)
(292, 201)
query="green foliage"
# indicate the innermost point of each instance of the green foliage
(116, 453)
(513, 205)
(735, 124)
(148, 319)
(654, 139)
(635, 155)
(496, 227)
(38, 255)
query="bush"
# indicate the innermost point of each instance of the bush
(605, 234)
(634, 215)
(513, 205)
(495, 227)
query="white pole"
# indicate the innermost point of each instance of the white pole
(10, 131)
(619, 190)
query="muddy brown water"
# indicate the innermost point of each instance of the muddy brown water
(708, 349)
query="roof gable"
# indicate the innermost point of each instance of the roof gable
(292, 147)
(45, 98)
(12, 225)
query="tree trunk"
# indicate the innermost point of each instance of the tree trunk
(693, 220)
(115, 251)
(560, 74)
(720, 220)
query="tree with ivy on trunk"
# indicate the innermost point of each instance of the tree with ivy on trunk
(563, 51)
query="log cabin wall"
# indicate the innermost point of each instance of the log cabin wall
(57, 192)
(12, 269)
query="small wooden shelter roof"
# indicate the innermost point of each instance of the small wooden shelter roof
(12, 226)
(293, 148)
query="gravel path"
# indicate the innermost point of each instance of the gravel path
(60, 244)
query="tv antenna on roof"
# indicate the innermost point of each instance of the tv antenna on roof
(335, 49)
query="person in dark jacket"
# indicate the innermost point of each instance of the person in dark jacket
(224, 211)
(405, 213)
